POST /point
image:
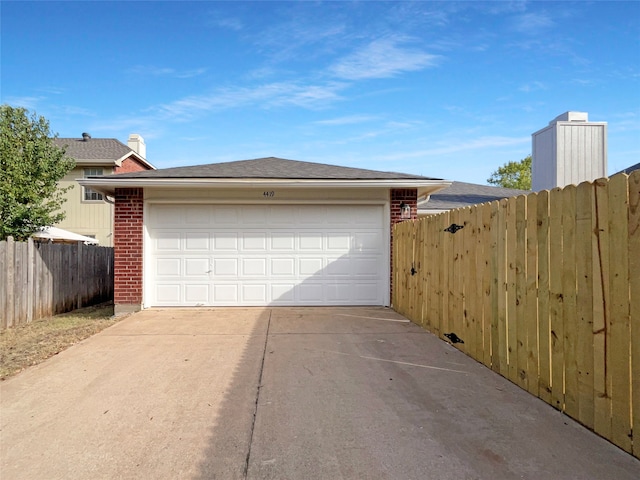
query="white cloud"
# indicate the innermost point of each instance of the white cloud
(347, 120)
(532, 87)
(264, 96)
(166, 71)
(30, 103)
(531, 23)
(382, 58)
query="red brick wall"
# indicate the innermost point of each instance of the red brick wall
(130, 165)
(399, 196)
(128, 241)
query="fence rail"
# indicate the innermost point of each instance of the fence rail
(545, 290)
(39, 279)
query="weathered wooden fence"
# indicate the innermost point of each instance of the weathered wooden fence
(543, 289)
(40, 279)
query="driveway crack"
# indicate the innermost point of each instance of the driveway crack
(255, 409)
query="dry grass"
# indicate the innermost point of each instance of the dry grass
(33, 343)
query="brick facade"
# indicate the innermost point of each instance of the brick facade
(128, 244)
(408, 196)
(130, 165)
(129, 241)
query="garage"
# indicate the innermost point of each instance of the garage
(267, 231)
(255, 255)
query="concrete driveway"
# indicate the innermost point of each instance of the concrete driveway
(284, 393)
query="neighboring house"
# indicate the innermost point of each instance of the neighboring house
(257, 232)
(88, 212)
(630, 169)
(461, 194)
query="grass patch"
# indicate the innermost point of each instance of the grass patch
(32, 343)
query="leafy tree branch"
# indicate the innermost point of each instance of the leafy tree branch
(31, 166)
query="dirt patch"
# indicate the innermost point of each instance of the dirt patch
(32, 343)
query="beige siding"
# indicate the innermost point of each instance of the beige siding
(86, 218)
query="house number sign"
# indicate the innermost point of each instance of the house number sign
(269, 194)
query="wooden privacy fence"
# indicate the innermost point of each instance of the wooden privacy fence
(40, 279)
(543, 289)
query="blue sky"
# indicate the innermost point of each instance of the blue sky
(442, 89)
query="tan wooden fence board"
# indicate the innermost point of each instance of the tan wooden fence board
(569, 310)
(545, 290)
(619, 305)
(634, 303)
(544, 325)
(531, 293)
(584, 307)
(601, 317)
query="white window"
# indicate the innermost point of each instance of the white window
(88, 194)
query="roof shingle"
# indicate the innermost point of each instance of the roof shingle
(272, 167)
(93, 148)
(461, 194)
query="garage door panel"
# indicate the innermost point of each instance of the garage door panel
(225, 216)
(196, 267)
(338, 241)
(283, 267)
(338, 267)
(225, 241)
(168, 241)
(225, 267)
(168, 294)
(365, 292)
(197, 241)
(311, 216)
(310, 266)
(225, 293)
(366, 267)
(367, 242)
(284, 240)
(197, 294)
(282, 293)
(253, 216)
(254, 267)
(266, 255)
(255, 294)
(310, 241)
(198, 215)
(311, 293)
(169, 267)
(284, 216)
(255, 241)
(168, 216)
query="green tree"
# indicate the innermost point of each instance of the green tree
(513, 175)
(30, 167)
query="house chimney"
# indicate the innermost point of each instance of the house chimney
(86, 137)
(570, 150)
(136, 143)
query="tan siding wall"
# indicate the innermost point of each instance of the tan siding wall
(86, 218)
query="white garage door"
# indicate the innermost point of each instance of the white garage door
(266, 255)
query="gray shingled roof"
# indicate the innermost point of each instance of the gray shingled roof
(271, 167)
(630, 169)
(461, 194)
(93, 148)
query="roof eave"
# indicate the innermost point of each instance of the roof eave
(108, 185)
